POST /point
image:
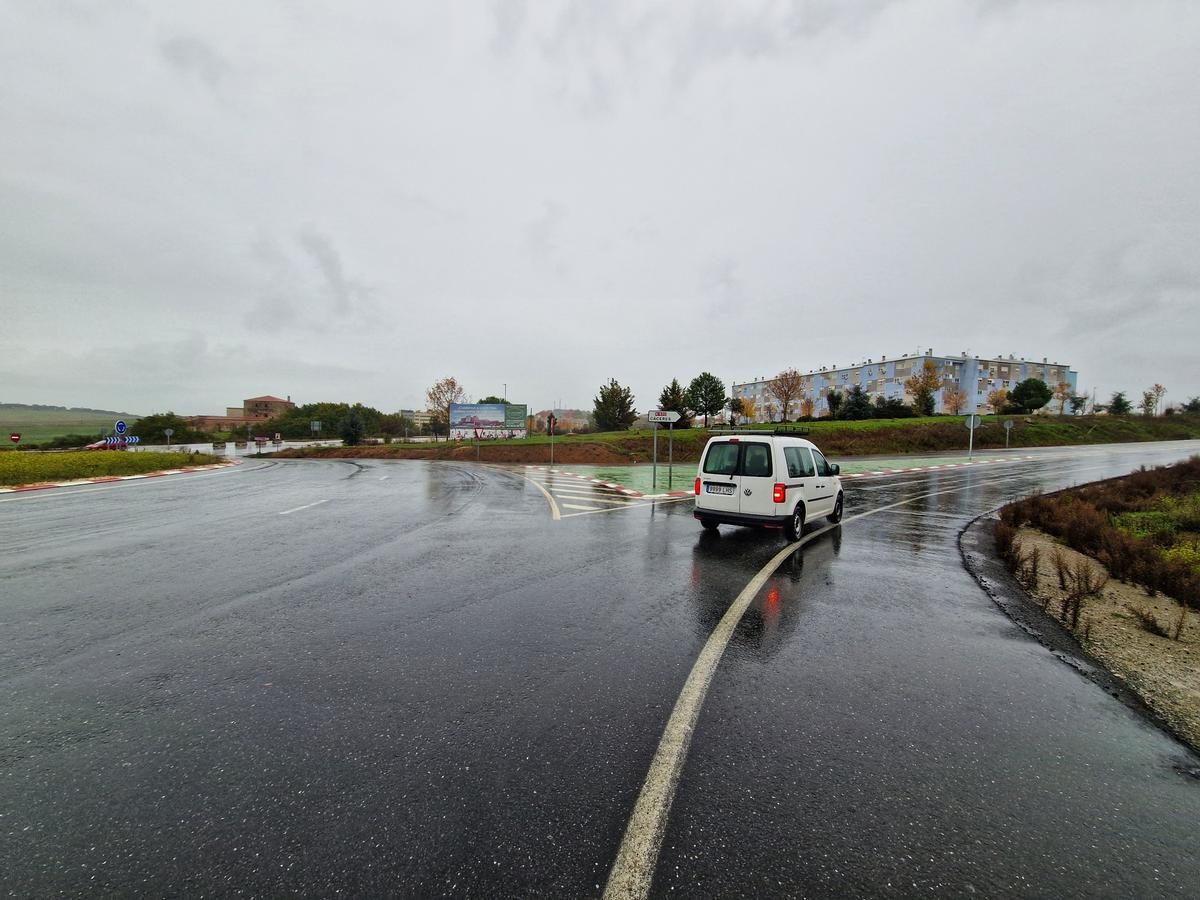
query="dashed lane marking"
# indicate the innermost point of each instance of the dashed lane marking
(288, 512)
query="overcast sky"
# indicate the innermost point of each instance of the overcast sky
(202, 202)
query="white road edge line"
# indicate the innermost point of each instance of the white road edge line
(637, 858)
(288, 512)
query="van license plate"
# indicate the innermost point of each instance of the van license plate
(718, 489)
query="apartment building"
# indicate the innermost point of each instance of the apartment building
(975, 376)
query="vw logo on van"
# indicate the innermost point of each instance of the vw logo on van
(748, 492)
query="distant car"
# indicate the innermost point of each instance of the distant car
(766, 479)
(99, 445)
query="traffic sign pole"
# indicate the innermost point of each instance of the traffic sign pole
(654, 465)
(670, 453)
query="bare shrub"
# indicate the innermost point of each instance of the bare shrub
(1180, 621)
(1062, 568)
(1148, 620)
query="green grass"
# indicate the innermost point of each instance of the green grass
(33, 468)
(871, 437)
(39, 425)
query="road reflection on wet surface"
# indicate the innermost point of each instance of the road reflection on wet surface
(426, 685)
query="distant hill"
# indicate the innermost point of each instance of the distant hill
(37, 422)
(39, 407)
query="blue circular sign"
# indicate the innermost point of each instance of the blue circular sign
(121, 426)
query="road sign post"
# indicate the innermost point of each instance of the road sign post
(550, 422)
(973, 422)
(1008, 427)
(670, 417)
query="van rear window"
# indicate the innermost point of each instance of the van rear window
(721, 459)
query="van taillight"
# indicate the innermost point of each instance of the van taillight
(779, 495)
(697, 487)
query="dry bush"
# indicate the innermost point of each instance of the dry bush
(1148, 620)
(1180, 621)
(1062, 568)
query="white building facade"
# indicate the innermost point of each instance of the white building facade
(975, 376)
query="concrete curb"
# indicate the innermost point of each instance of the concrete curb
(105, 479)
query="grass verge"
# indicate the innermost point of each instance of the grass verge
(17, 469)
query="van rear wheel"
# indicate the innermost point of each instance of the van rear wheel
(795, 525)
(709, 525)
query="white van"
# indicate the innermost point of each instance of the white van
(766, 479)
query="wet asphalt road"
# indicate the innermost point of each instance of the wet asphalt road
(407, 678)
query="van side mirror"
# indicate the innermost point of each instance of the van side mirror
(837, 470)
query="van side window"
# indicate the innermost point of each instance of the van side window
(822, 465)
(721, 459)
(757, 462)
(799, 463)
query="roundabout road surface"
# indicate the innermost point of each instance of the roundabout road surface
(412, 678)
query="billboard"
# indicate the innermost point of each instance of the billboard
(487, 421)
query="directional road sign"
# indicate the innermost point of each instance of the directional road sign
(974, 421)
(14, 437)
(1008, 424)
(663, 415)
(121, 426)
(121, 441)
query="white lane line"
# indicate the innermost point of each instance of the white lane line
(594, 509)
(637, 857)
(384, 477)
(591, 499)
(288, 512)
(638, 505)
(555, 514)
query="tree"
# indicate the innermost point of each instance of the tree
(706, 395)
(834, 401)
(922, 386)
(785, 388)
(749, 409)
(613, 407)
(1119, 405)
(1159, 392)
(394, 425)
(736, 407)
(954, 399)
(806, 407)
(997, 400)
(439, 426)
(674, 398)
(857, 404)
(1030, 394)
(891, 408)
(439, 397)
(1078, 404)
(1062, 393)
(493, 399)
(1192, 406)
(151, 429)
(1147, 404)
(353, 429)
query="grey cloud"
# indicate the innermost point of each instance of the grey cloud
(193, 56)
(309, 290)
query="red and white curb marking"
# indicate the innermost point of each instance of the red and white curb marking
(608, 484)
(105, 479)
(875, 474)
